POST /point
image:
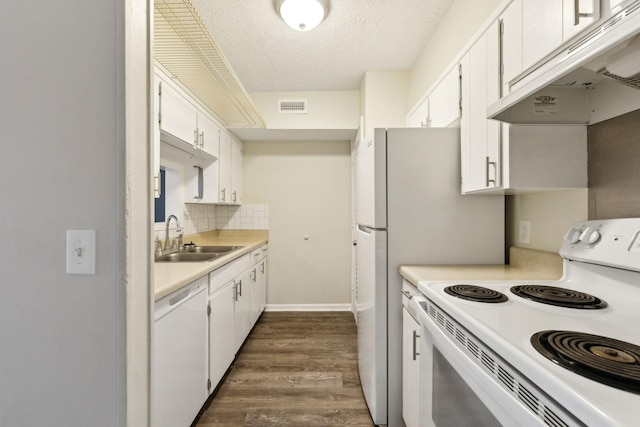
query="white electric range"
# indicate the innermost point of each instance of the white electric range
(495, 361)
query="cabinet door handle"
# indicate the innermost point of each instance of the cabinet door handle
(577, 14)
(490, 181)
(235, 291)
(254, 275)
(262, 267)
(202, 140)
(224, 194)
(240, 287)
(415, 344)
(196, 138)
(407, 294)
(234, 197)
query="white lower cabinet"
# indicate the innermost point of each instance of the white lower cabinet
(410, 369)
(229, 315)
(243, 308)
(180, 355)
(221, 332)
(258, 283)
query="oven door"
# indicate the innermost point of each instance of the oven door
(454, 391)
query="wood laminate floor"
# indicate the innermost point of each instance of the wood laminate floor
(296, 369)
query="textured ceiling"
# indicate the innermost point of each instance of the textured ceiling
(356, 36)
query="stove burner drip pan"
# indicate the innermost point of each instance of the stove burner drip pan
(560, 297)
(606, 360)
(475, 293)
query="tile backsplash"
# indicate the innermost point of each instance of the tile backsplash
(202, 218)
(244, 217)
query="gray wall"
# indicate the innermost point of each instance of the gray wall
(614, 167)
(62, 361)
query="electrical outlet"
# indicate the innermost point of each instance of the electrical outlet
(524, 232)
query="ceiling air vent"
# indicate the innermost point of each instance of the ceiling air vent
(292, 106)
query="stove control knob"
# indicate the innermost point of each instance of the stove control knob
(572, 236)
(590, 236)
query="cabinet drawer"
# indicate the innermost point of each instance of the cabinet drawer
(228, 272)
(408, 291)
(258, 255)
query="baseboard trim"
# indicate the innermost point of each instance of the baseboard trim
(308, 307)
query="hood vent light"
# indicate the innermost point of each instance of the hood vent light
(293, 106)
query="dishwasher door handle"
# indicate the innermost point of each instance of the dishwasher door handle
(180, 297)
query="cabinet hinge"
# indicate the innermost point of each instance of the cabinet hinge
(208, 309)
(208, 384)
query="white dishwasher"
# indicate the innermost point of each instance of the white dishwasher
(180, 355)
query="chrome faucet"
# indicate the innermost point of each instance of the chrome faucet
(178, 230)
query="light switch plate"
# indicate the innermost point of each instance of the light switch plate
(81, 252)
(524, 232)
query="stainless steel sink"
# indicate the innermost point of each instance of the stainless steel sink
(196, 254)
(210, 249)
(187, 257)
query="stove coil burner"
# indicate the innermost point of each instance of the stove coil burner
(606, 360)
(560, 297)
(475, 293)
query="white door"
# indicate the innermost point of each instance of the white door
(371, 313)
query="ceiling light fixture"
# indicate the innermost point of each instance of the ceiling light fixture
(302, 15)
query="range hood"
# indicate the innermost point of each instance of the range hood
(611, 52)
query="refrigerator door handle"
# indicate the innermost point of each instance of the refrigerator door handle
(365, 229)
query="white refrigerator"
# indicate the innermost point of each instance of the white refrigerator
(409, 211)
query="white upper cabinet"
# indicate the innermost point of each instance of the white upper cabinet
(225, 167)
(547, 24)
(444, 101)
(578, 15)
(236, 172)
(178, 115)
(510, 44)
(541, 29)
(419, 117)
(230, 169)
(183, 123)
(480, 137)
(156, 136)
(442, 107)
(208, 135)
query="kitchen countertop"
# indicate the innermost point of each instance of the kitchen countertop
(171, 276)
(525, 264)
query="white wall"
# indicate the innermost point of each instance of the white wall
(383, 99)
(458, 26)
(307, 186)
(325, 110)
(62, 166)
(551, 215)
